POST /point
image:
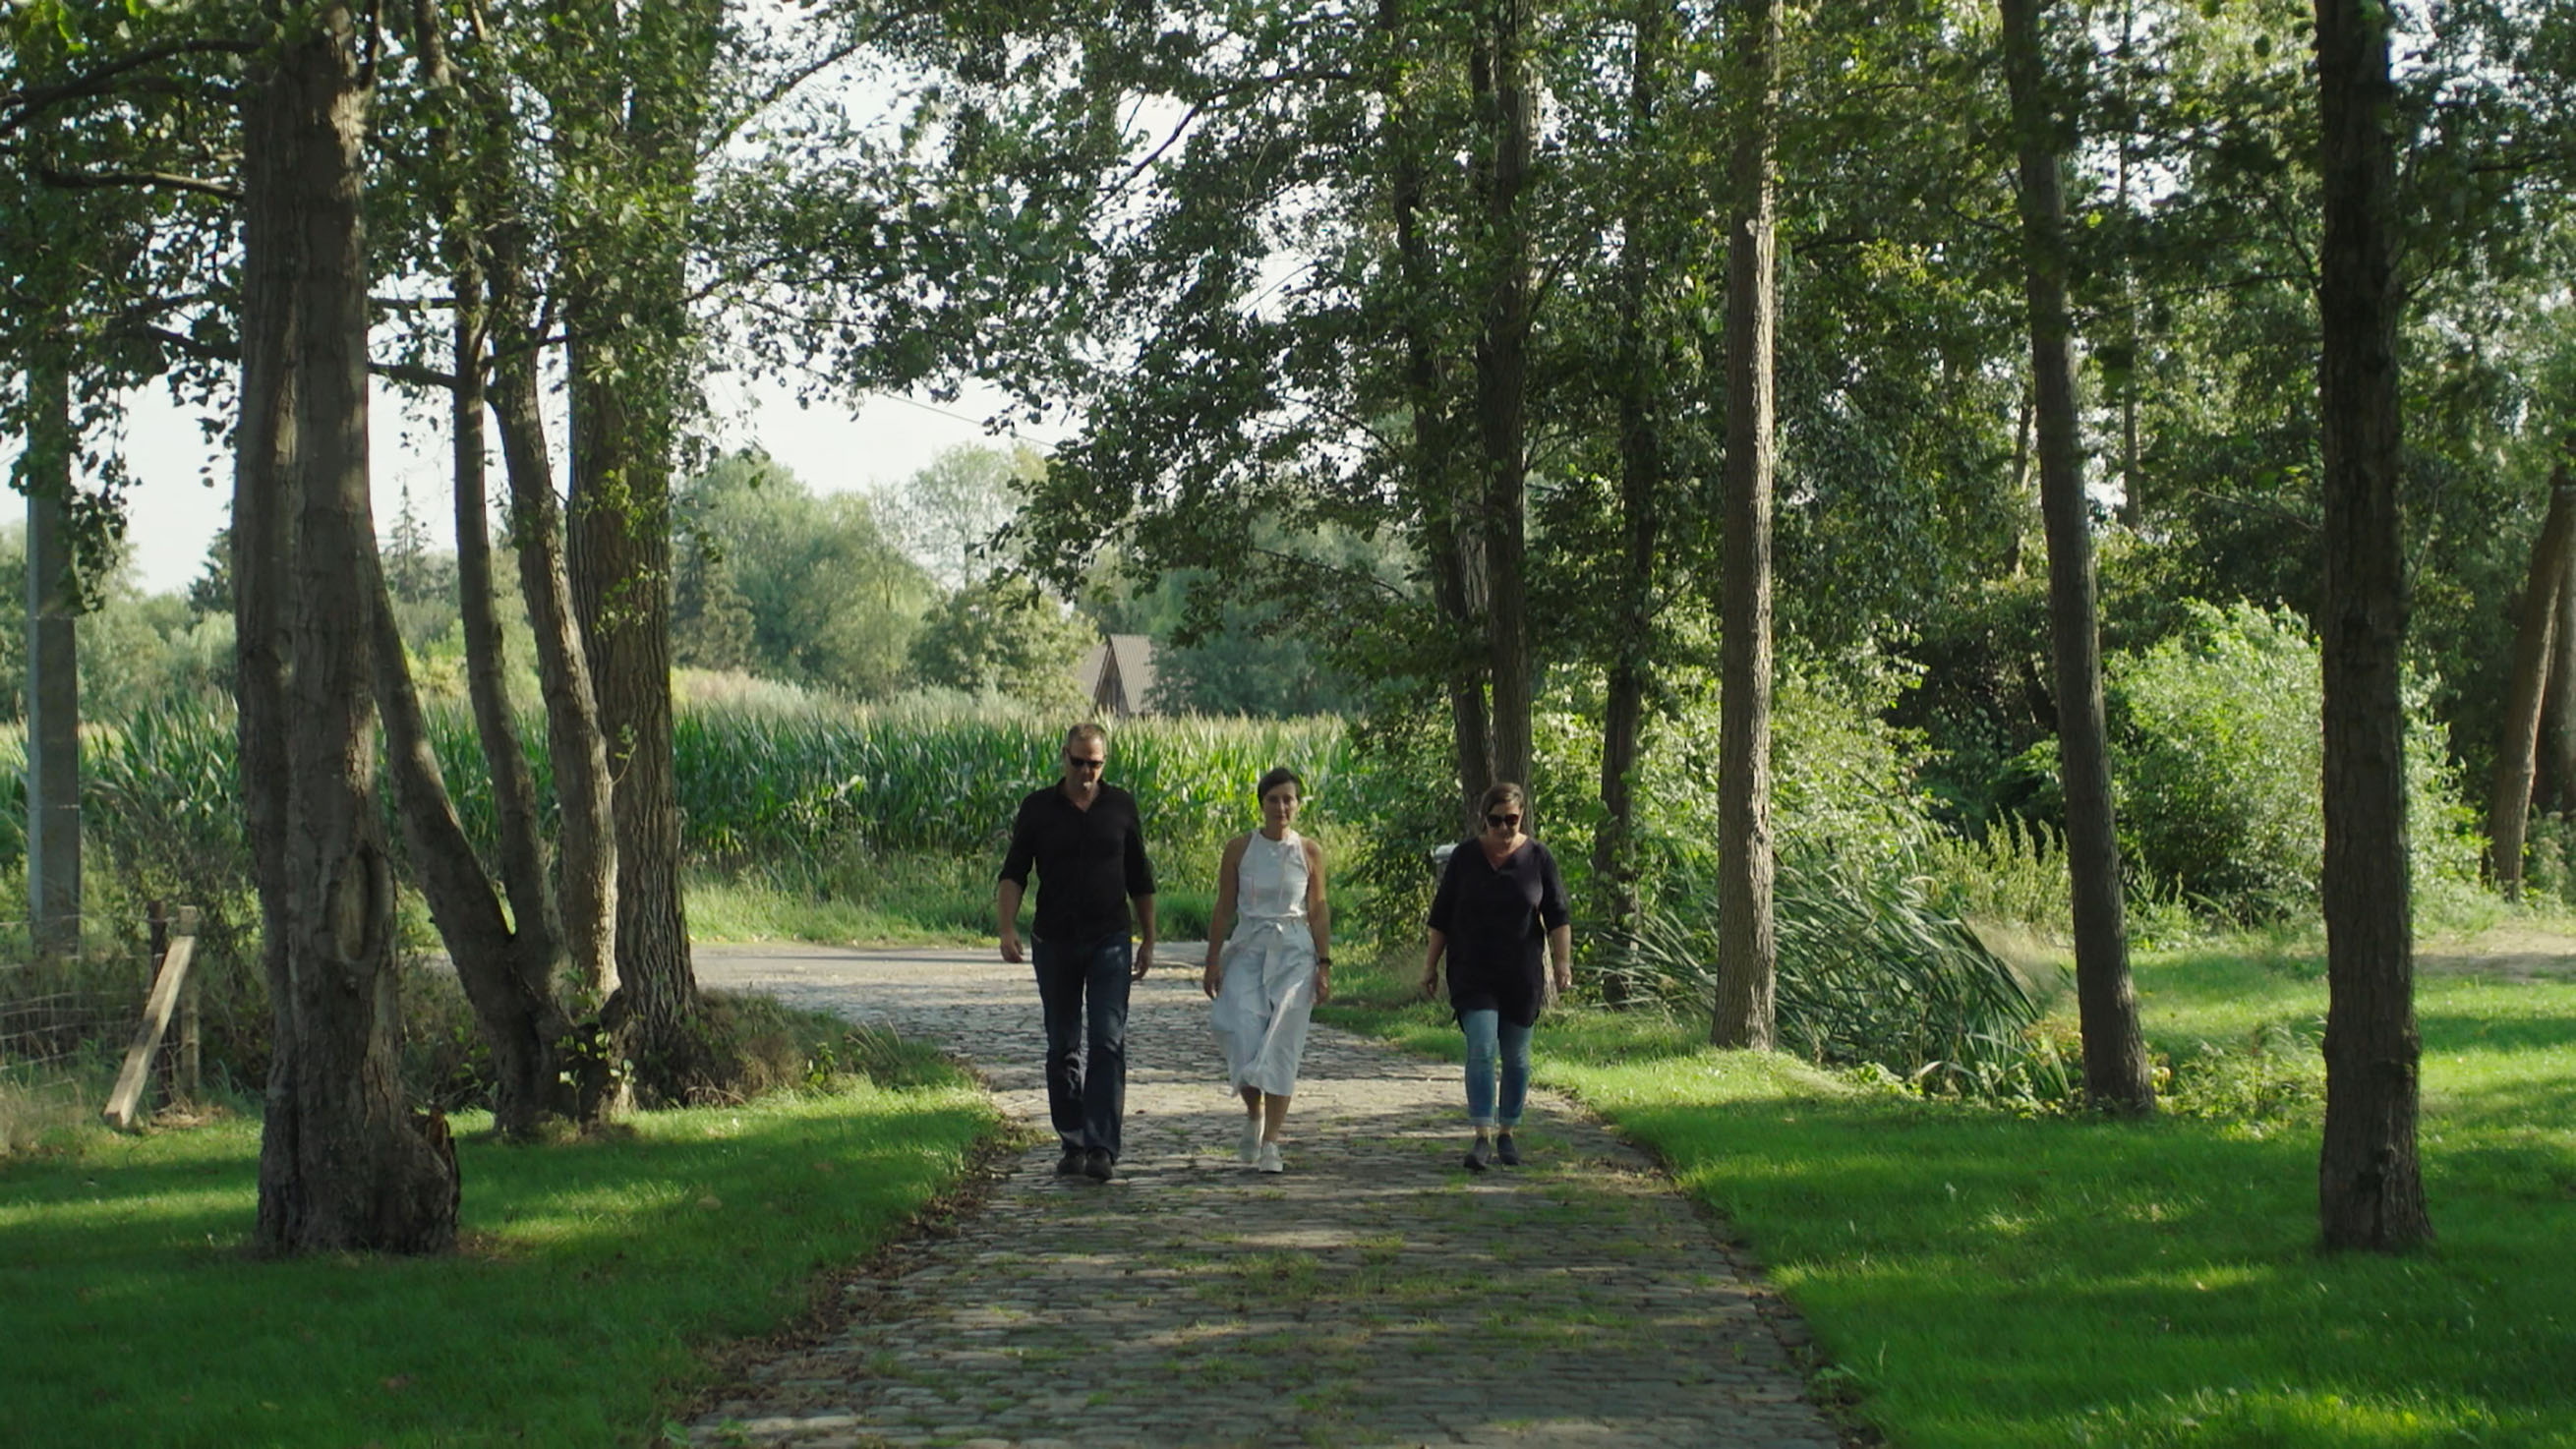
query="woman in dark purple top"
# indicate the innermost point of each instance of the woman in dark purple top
(1500, 900)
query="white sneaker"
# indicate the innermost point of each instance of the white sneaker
(1248, 1147)
(1270, 1159)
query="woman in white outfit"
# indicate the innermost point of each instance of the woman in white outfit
(1269, 961)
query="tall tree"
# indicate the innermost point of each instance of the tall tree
(1452, 556)
(1748, 953)
(1507, 117)
(2370, 1189)
(2115, 1052)
(640, 80)
(1642, 467)
(545, 1064)
(343, 1164)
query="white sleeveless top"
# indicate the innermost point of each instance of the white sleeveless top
(1270, 886)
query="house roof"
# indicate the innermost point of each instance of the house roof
(1118, 674)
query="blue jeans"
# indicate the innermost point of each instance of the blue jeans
(1082, 989)
(1488, 1035)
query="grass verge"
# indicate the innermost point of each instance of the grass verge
(1980, 1278)
(595, 1278)
(865, 898)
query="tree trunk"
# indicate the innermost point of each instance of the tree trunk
(1641, 484)
(343, 1164)
(262, 544)
(1747, 950)
(52, 738)
(507, 974)
(576, 745)
(620, 553)
(2116, 1071)
(625, 310)
(2557, 750)
(1502, 372)
(1452, 588)
(2553, 554)
(2370, 1190)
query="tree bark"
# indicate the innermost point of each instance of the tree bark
(2370, 1190)
(1747, 950)
(2116, 1071)
(2553, 555)
(1641, 484)
(1502, 372)
(343, 1164)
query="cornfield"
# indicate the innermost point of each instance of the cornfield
(752, 783)
(755, 782)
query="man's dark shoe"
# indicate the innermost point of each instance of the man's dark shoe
(1069, 1165)
(1095, 1164)
(1479, 1155)
(1506, 1151)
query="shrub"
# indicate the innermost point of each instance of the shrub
(2012, 871)
(2218, 761)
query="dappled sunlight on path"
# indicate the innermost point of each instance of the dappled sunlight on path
(1374, 1293)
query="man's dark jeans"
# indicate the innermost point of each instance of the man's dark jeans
(1082, 987)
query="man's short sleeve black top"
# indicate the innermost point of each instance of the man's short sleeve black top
(1088, 861)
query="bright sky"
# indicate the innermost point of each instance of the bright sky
(174, 515)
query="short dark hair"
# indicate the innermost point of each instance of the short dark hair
(1087, 730)
(1503, 792)
(1276, 778)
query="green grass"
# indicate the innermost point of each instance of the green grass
(594, 1279)
(864, 897)
(895, 900)
(1980, 1278)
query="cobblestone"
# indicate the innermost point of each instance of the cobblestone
(1373, 1294)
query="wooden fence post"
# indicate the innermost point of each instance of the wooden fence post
(157, 1008)
(191, 994)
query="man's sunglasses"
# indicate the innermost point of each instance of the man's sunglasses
(1502, 821)
(1077, 762)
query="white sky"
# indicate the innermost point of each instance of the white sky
(174, 515)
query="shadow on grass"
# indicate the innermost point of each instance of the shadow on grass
(593, 1275)
(1982, 1278)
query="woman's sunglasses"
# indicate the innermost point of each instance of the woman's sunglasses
(1502, 822)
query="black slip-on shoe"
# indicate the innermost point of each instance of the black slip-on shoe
(1095, 1164)
(1069, 1165)
(1480, 1154)
(1506, 1151)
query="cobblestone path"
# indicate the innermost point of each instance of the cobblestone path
(1375, 1293)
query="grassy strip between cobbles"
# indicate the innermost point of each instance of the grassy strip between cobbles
(1980, 1278)
(594, 1279)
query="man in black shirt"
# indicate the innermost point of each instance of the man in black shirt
(1089, 850)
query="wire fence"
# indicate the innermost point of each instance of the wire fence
(67, 1022)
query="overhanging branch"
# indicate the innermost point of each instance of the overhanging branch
(147, 180)
(19, 107)
(224, 349)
